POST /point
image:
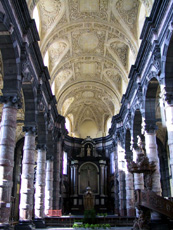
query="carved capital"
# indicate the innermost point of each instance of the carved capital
(168, 97)
(41, 146)
(150, 128)
(157, 58)
(11, 101)
(40, 104)
(30, 129)
(24, 57)
(120, 137)
(49, 158)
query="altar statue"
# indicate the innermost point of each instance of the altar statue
(89, 199)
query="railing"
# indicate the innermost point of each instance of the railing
(149, 199)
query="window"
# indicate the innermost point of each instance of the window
(64, 163)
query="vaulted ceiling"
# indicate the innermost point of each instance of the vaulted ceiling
(89, 46)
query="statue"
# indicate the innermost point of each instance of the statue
(88, 199)
(88, 151)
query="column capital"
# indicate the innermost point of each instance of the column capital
(14, 101)
(30, 129)
(49, 158)
(41, 147)
(150, 128)
(168, 98)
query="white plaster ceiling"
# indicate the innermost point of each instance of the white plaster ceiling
(91, 45)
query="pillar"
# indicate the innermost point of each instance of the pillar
(57, 175)
(121, 179)
(106, 182)
(116, 197)
(130, 203)
(75, 179)
(27, 180)
(152, 154)
(102, 180)
(49, 186)
(40, 187)
(7, 145)
(138, 177)
(72, 179)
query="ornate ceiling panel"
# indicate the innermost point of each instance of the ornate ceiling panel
(89, 44)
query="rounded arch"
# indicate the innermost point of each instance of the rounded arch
(152, 93)
(18, 155)
(30, 96)
(128, 152)
(10, 58)
(137, 126)
(169, 67)
(87, 171)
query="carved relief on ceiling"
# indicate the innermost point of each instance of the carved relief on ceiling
(62, 78)
(114, 78)
(57, 51)
(148, 5)
(81, 9)
(87, 70)
(87, 41)
(51, 12)
(128, 11)
(97, 31)
(66, 105)
(121, 50)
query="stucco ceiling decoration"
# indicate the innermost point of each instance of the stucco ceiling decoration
(90, 45)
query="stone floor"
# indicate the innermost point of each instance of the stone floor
(112, 228)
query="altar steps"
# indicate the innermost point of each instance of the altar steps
(67, 221)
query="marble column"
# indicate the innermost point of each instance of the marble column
(40, 187)
(130, 202)
(75, 179)
(152, 154)
(122, 201)
(116, 197)
(121, 179)
(106, 185)
(102, 180)
(49, 186)
(72, 179)
(57, 176)
(7, 145)
(169, 125)
(27, 180)
(138, 177)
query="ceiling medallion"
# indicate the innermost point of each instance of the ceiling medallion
(88, 94)
(88, 41)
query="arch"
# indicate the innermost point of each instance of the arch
(10, 57)
(150, 102)
(128, 152)
(30, 98)
(89, 170)
(18, 155)
(137, 126)
(164, 168)
(169, 68)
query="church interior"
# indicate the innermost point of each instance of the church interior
(86, 109)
